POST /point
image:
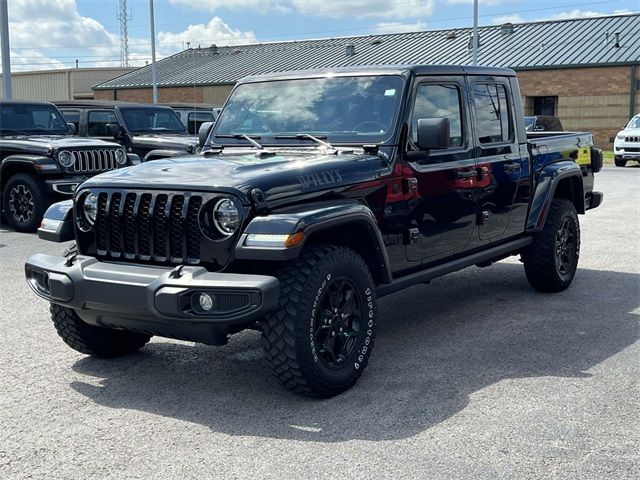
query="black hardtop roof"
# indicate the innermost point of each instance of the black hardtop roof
(104, 104)
(200, 106)
(24, 102)
(386, 70)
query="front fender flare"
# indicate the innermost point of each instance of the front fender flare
(161, 153)
(311, 219)
(548, 180)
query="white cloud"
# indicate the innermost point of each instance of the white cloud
(512, 18)
(481, 2)
(398, 27)
(571, 14)
(577, 13)
(215, 32)
(324, 8)
(48, 34)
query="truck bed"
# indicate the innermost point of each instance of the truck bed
(549, 147)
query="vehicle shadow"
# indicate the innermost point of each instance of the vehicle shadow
(435, 347)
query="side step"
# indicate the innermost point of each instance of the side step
(425, 276)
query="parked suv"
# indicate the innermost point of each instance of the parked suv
(41, 162)
(627, 143)
(316, 193)
(149, 131)
(193, 116)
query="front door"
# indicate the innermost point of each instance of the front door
(498, 155)
(440, 185)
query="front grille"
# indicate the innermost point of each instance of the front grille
(632, 149)
(162, 227)
(92, 161)
(632, 139)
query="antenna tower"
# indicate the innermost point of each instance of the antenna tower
(124, 18)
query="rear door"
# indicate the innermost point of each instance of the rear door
(499, 161)
(440, 184)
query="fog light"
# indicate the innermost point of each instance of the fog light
(206, 302)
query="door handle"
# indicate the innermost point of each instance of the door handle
(466, 174)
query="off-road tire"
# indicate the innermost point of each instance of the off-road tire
(41, 200)
(620, 162)
(92, 340)
(540, 263)
(287, 333)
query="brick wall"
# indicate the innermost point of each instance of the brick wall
(589, 99)
(145, 95)
(210, 94)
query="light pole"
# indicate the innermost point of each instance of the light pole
(154, 74)
(474, 40)
(6, 54)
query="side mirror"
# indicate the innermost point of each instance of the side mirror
(433, 133)
(203, 133)
(114, 130)
(72, 128)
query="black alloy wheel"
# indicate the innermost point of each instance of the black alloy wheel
(565, 247)
(338, 322)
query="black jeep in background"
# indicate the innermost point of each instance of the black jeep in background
(194, 115)
(42, 162)
(149, 131)
(317, 192)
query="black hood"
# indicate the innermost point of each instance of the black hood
(289, 173)
(42, 144)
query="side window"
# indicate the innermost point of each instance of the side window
(97, 122)
(439, 101)
(492, 113)
(72, 116)
(196, 119)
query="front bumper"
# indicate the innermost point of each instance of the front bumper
(627, 150)
(155, 300)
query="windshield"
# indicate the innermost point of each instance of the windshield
(339, 109)
(635, 122)
(25, 119)
(152, 120)
(528, 123)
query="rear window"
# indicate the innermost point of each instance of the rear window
(493, 117)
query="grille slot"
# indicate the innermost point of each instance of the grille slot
(91, 161)
(145, 226)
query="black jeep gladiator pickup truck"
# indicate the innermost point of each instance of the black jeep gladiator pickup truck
(316, 193)
(41, 162)
(149, 131)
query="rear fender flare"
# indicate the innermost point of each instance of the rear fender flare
(546, 186)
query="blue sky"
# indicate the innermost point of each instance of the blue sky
(53, 33)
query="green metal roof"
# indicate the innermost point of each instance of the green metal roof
(530, 46)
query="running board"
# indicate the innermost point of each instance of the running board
(423, 276)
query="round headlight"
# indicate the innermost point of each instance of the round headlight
(226, 217)
(90, 208)
(121, 157)
(65, 158)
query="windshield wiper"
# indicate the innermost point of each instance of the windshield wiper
(306, 136)
(242, 136)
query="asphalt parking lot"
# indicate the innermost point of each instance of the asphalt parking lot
(474, 376)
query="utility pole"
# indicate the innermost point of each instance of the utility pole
(154, 74)
(6, 53)
(474, 40)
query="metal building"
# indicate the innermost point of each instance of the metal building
(67, 84)
(583, 70)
